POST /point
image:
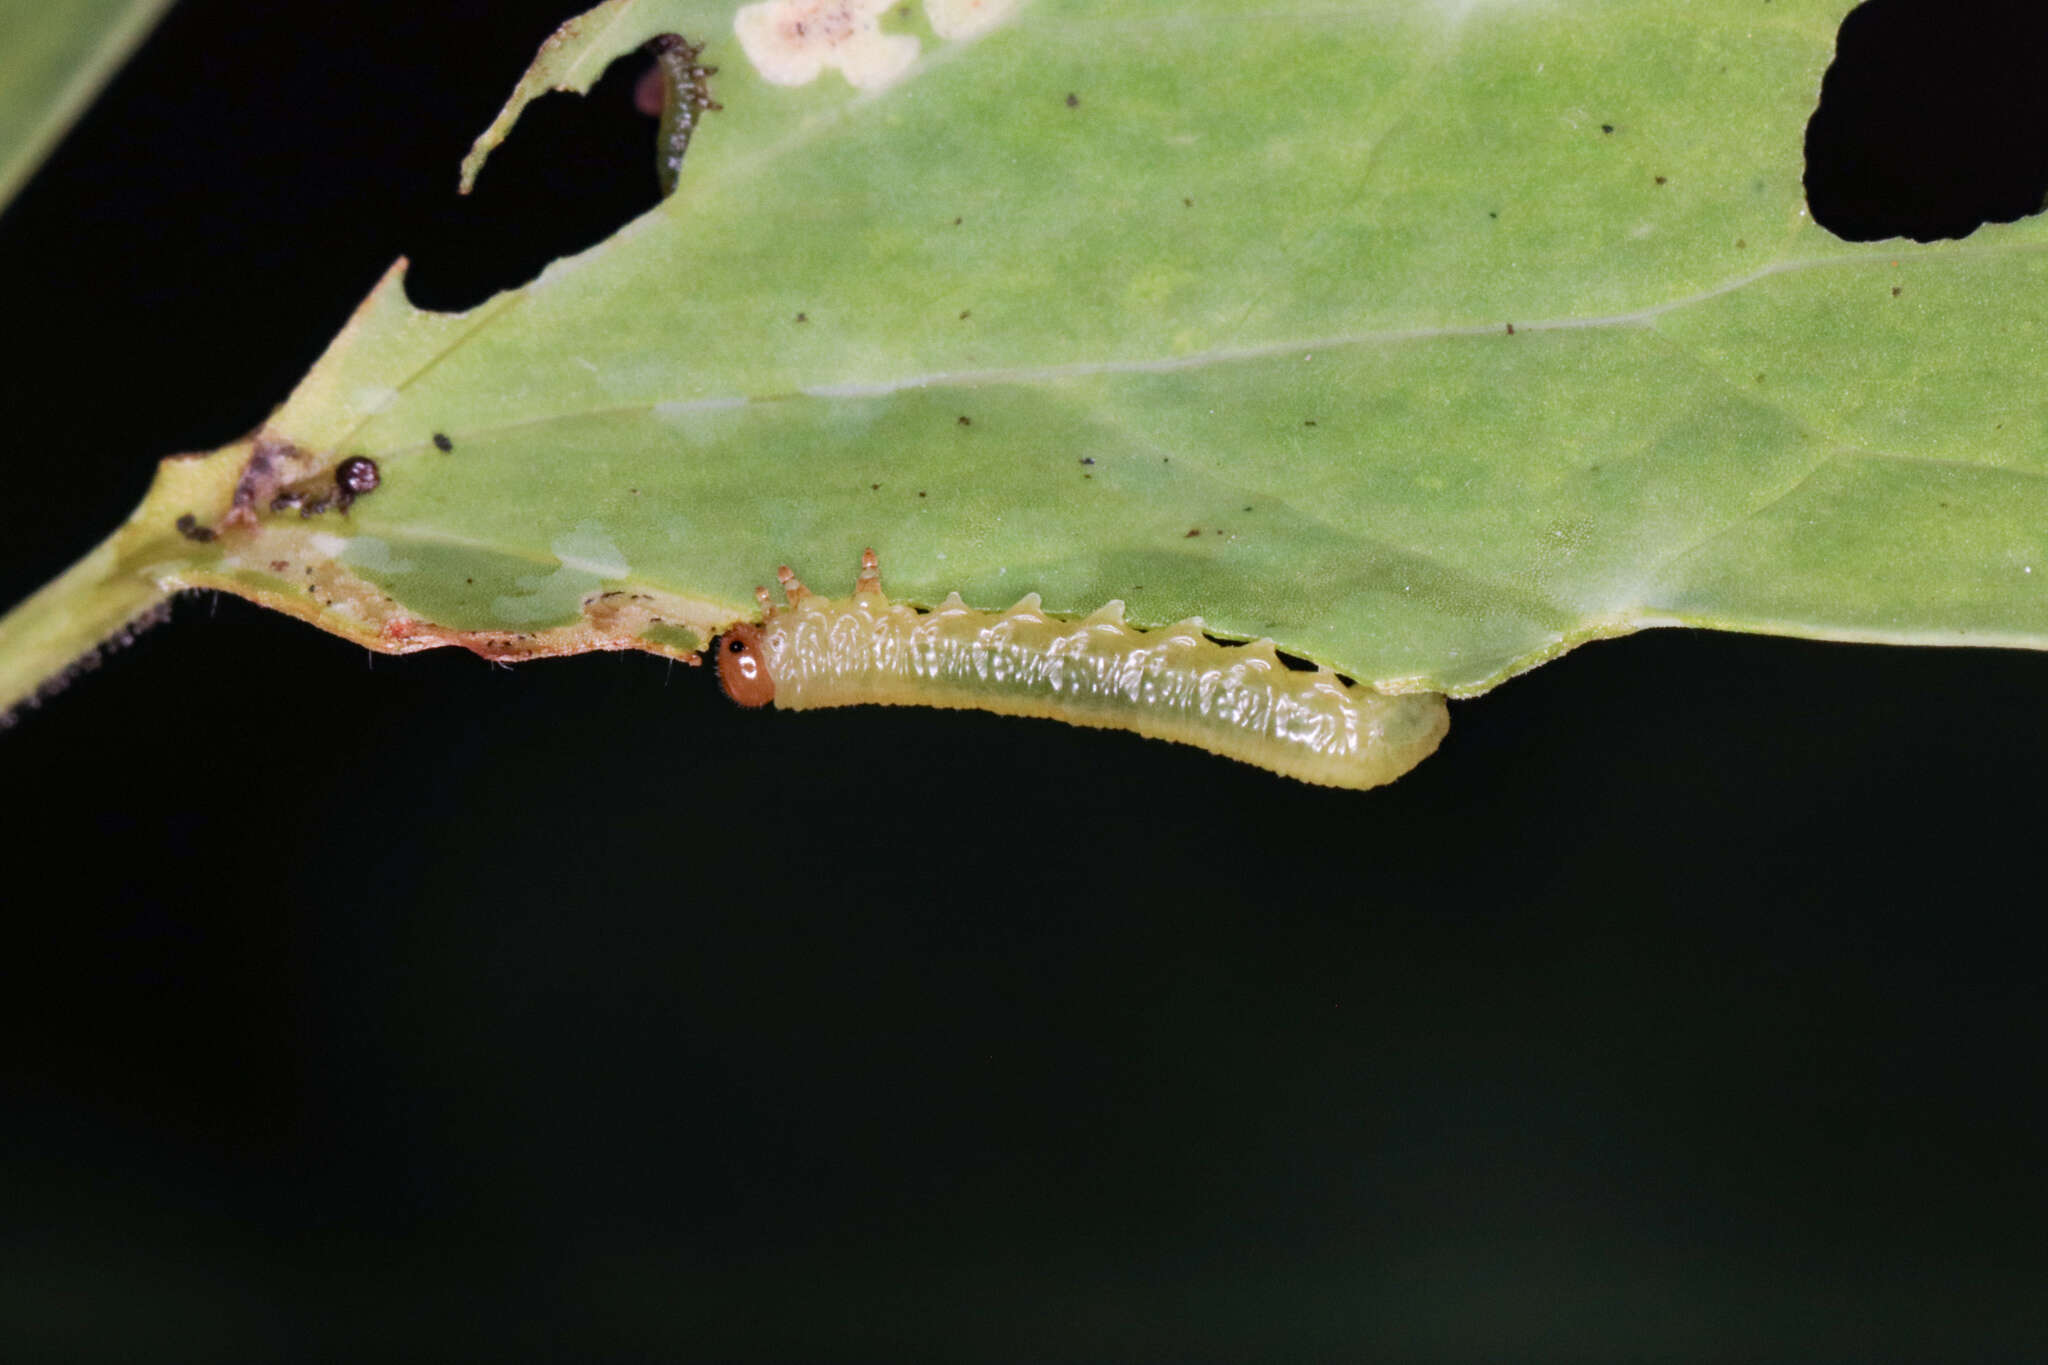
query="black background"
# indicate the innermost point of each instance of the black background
(1686, 1005)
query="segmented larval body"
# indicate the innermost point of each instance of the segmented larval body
(1172, 683)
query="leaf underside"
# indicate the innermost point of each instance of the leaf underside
(1427, 338)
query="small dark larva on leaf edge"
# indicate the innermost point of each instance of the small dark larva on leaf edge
(1173, 683)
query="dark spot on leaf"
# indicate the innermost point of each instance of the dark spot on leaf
(266, 468)
(442, 443)
(1660, 179)
(1192, 533)
(1490, 213)
(1739, 242)
(1073, 100)
(965, 421)
(1087, 459)
(1308, 421)
(965, 314)
(1895, 291)
(1511, 329)
(189, 527)
(920, 492)
(803, 317)
(956, 222)
(1606, 127)
(1187, 203)
(874, 486)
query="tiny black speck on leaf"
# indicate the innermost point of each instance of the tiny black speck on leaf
(1087, 459)
(1192, 533)
(920, 492)
(1511, 329)
(965, 421)
(442, 443)
(956, 222)
(874, 486)
(1895, 291)
(1606, 127)
(1308, 421)
(1660, 179)
(803, 317)
(1073, 100)
(965, 314)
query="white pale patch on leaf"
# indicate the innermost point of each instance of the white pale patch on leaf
(374, 553)
(590, 548)
(791, 41)
(586, 559)
(967, 18)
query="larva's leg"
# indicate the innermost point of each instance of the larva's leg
(870, 579)
(767, 607)
(792, 587)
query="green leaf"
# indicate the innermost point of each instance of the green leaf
(54, 57)
(1427, 338)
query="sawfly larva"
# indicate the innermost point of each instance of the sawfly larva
(1173, 683)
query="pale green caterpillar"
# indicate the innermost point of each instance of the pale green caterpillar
(1174, 683)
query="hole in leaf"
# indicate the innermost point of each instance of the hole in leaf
(574, 169)
(1932, 120)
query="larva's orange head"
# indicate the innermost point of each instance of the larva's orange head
(742, 667)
